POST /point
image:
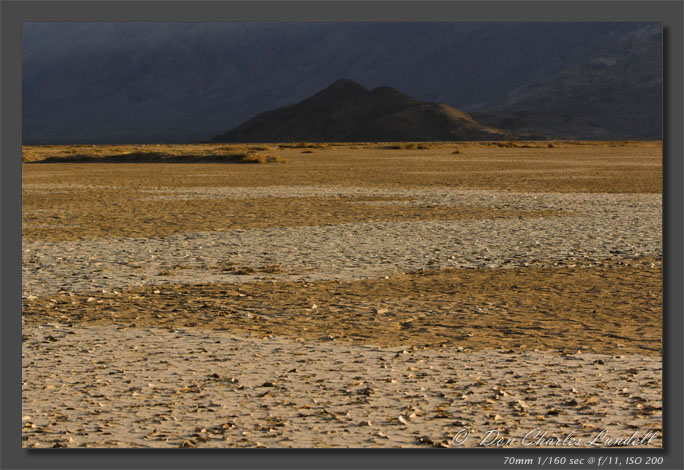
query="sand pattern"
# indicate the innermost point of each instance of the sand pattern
(145, 387)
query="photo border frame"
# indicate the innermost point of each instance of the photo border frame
(13, 13)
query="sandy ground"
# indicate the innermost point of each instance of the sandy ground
(193, 388)
(354, 296)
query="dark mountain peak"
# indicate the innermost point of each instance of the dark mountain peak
(346, 111)
(344, 86)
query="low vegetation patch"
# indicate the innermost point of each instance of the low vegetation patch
(302, 145)
(519, 145)
(215, 156)
(258, 158)
(408, 146)
(262, 148)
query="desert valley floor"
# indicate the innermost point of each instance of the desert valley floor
(341, 295)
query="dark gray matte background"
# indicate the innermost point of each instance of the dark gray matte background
(670, 13)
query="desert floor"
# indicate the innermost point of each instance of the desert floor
(345, 295)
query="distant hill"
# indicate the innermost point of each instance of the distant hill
(136, 82)
(347, 112)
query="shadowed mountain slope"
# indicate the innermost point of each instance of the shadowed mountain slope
(535, 125)
(619, 88)
(136, 82)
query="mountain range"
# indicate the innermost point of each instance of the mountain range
(188, 82)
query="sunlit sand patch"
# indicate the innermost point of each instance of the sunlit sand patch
(611, 305)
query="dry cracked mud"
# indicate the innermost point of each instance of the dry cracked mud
(355, 296)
